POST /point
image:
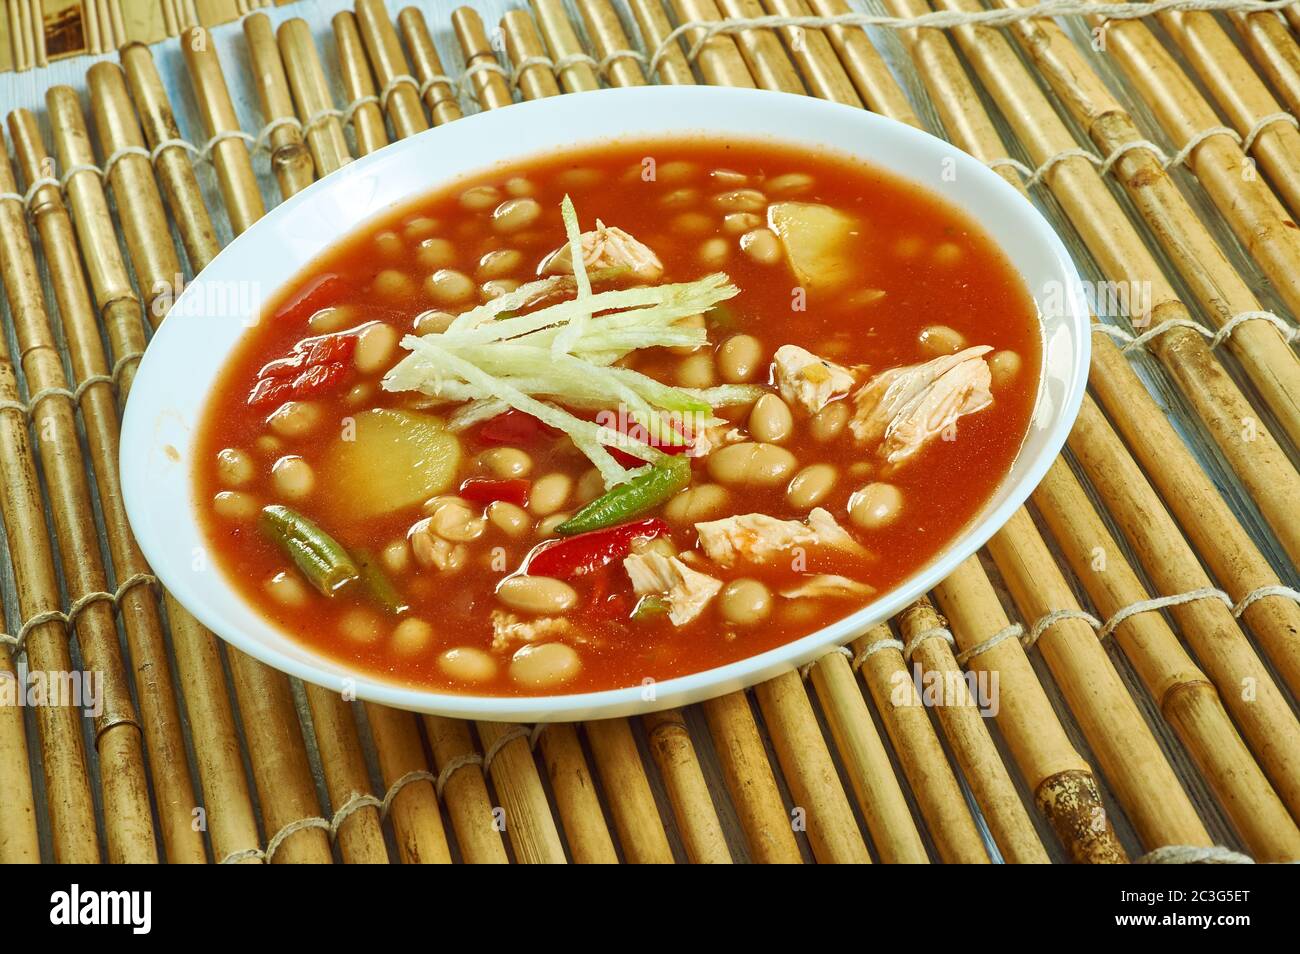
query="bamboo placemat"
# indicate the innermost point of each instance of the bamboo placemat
(1140, 616)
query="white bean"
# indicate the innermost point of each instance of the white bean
(376, 345)
(545, 665)
(467, 664)
(287, 590)
(234, 467)
(549, 493)
(295, 418)
(293, 477)
(539, 595)
(875, 505)
(233, 505)
(411, 635)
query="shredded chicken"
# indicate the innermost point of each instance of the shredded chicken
(809, 381)
(828, 584)
(508, 629)
(687, 591)
(756, 537)
(711, 438)
(905, 407)
(606, 246)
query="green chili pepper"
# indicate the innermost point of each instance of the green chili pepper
(314, 552)
(377, 584)
(631, 499)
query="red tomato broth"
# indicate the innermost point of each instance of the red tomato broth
(944, 486)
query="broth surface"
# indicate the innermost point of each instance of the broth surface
(915, 265)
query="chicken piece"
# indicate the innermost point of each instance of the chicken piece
(809, 381)
(757, 538)
(687, 591)
(508, 629)
(905, 407)
(711, 438)
(828, 584)
(606, 246)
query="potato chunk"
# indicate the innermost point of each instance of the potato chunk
(394, 460)
(816, 240)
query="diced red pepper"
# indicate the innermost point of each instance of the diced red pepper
(604, 601)
(310, 300)
(576, 555)
(513, 427)
(314, 366)
(485, 490)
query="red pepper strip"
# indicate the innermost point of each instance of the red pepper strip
(484, 490)
(576, 555)
(309, 300)
(315, 380)
(323, 349)
(513, 427)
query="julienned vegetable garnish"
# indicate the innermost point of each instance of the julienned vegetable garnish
(488, 447)
(561, 356)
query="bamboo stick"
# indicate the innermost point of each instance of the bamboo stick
(358, 85)
(139, 205)
(228, 811)
(968, 737)
(807, 766)
(19, 842)
(171, 162)
(611, 43)
(118, 739)
(324, 132)
(697, 820)
(39, 55)
(68, 799)
(636, 817)
(574, 70)
(811, 50)
(278, 758)
(865, 66)
(652, 21)
(1185, 695)
(527, 814)
(880, 798)
(1242, 97)
(171, 19)
(1131, 759)
(576, 800)
(230, 158)
(750, 780)
(142, 623)
(762, 50)
(1123, 255)
(523, 42)
(719, 59)
(1062, 782)
(118, 24)
(119, 310)
(389, 63)
(490, 86)
(465, 791)
(417, 820)
(439, 95)
(291, 161)
(910, 731)
(1292, 16)
(18, 38)
(360, 836)
(94, 44)
(1275, 51)
(1263, 714)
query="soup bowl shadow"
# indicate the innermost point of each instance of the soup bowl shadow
(187, 354)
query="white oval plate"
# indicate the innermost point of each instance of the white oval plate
(187, 354)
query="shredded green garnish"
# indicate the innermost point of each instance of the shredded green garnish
(498, 355)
